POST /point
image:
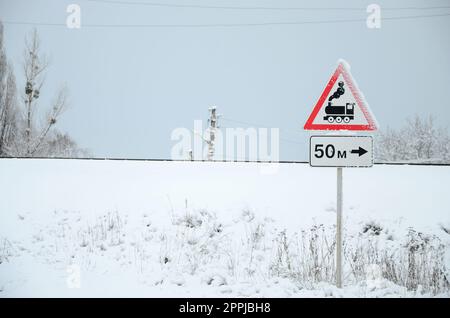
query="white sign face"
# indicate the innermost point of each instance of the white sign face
(341, 151)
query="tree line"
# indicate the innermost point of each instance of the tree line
(420, 140)
(27, 127)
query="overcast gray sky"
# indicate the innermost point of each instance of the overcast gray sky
(131, 86)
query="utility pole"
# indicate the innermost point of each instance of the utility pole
(212, 128)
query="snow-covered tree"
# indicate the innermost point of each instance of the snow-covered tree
(35, 65)
(22, 133)
(59, 144)
(420, 140)
(8, 102)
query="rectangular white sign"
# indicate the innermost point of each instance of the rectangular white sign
(341, 151)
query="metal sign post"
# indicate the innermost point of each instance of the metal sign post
(341, 107)
(339, 229)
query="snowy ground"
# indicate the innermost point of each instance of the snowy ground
(81, 228)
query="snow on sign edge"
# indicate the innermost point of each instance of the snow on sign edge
(343, 68)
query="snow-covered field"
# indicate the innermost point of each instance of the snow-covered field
(83, 228)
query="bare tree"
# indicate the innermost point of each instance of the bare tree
(8, 101)
(443, 146)
(30, 131)
(58, 106)
(34, 67)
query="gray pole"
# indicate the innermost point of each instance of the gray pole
(339, 230)
(212, 132)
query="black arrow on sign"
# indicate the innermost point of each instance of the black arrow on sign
(359, 151)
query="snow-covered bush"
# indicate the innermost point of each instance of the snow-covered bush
(197, 245)
(417, 262)
(372, 228)
(194, 242)
(308, 257)
(105, 231)
(420, 140)
(6, 250)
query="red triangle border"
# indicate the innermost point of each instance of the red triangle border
(362, 105)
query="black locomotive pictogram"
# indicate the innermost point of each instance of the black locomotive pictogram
(337, 113)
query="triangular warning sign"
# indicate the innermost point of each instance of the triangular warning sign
(341, 105)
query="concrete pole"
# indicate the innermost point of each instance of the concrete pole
(212, 132)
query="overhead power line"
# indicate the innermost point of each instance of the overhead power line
(200, 6)
(221, 25)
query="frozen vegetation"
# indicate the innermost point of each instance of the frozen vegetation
(149, 234)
